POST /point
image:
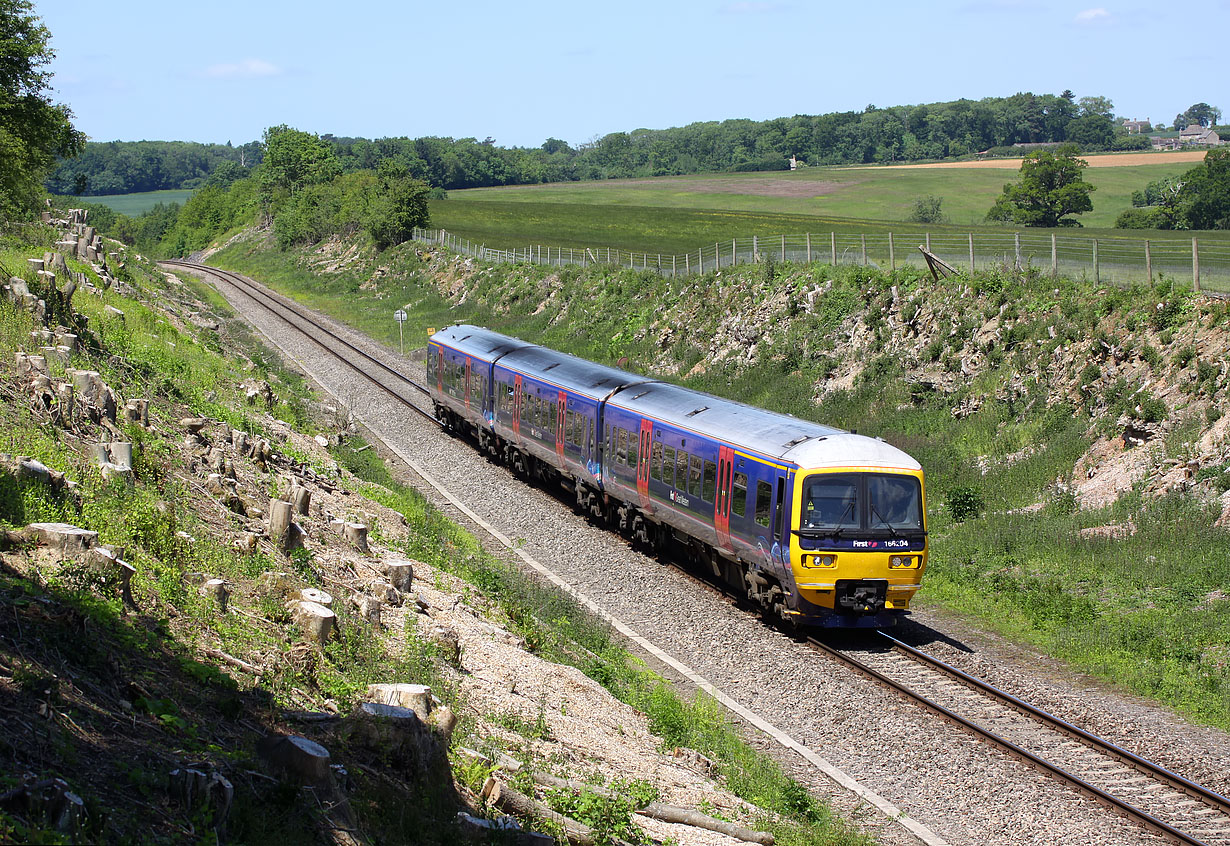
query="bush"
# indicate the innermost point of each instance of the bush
(1146, 218)
(927, 210)
(965, 502)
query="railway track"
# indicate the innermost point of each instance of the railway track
(1163, 802)
(1160, 801)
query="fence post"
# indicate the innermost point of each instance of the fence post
(734, 252)
(833, 236)
(1054, 257)
(971, 253)
(1195, 265)
(863, 237)
(1148, 261)
(755, 250)
(1018, 250)
(783, 248)
(892, 259)
(809, 248)
(717, 257)
(928, 237)
(1097, 270)
(674, 266)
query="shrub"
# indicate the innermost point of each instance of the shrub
(965, 502)
(1147, 218)
(927, 210)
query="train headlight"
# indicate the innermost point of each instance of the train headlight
(903, 561)
(820, 560)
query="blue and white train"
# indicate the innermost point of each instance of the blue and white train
(820, 526)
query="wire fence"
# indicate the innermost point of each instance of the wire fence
(1118, 261)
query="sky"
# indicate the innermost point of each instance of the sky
(523, 72)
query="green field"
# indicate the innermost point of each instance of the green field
(135, 204)
(877, 193)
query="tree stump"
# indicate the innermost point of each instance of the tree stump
(356, 533)
(121, 454)
(107, 561)
(281, 527)
(216, 590)
(304, 761)
(401, 574)
(448, 642)
(301, 500)
(315, 620)
(416, 697)
(311, 594)
(370, 608)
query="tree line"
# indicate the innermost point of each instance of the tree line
(873, 135)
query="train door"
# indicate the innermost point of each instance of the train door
(642, 465)
(518, 399)
(721, 507)
(468, 383)
(560, 418)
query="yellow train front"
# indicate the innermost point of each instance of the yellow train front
(858, 545)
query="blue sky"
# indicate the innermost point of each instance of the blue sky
(520, 73)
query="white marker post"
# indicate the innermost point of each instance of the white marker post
(400, 317)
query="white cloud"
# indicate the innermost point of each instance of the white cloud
(245, 69)
(1093, 16)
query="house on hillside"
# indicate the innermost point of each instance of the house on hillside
(1160, 142)
(1199, 136)
(1135, 127)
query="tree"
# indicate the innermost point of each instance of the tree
(294, 159)
(34, 132)
(1198, 113)
(396, 206)
(1091, 130)
(1051, 188)
(1096, 106)
(1206, 192)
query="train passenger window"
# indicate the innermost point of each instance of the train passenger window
(668, 466)
(738, 496)
(621, 450)
(552, 415)
(710, 482)
(764, 502)
(779, 515)
(590, 427)
(655, 461)
(634, 450)
(681, 470)
(431, 365)
(695, 475)
(570, 421)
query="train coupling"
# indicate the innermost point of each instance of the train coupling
(860, 596)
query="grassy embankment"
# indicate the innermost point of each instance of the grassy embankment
(71, 626)
(1145, 612)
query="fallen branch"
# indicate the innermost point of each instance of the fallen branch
(233, 661)
(666, 813)
(518, 804)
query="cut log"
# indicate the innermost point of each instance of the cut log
(416, 697)
(356, 533)
(280, 524)
(215, 589)
(316, 621)
(666, 813)
(401, 574)
(68, 539)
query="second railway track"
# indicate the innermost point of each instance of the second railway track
(1154, 798)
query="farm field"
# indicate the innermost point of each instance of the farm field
(871, 192)
(135, 204)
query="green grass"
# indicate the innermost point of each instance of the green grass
(134, 204)
(863, 193)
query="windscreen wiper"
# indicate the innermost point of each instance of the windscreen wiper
(887, 525)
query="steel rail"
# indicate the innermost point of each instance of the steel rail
(1197, 791)
(1143, 818)
(261, 297)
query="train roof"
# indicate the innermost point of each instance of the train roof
(595, 381)
(478, 342)
(769, 433)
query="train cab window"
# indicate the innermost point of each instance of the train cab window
(621, 449)
(764, 503)
(695, 473)
(738, 496)
(830, 501)
(710, 482)
(681, 470)
(668, 466)
(655, 461)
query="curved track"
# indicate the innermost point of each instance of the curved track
(1160, 801)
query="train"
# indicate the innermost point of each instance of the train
(820, 527)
